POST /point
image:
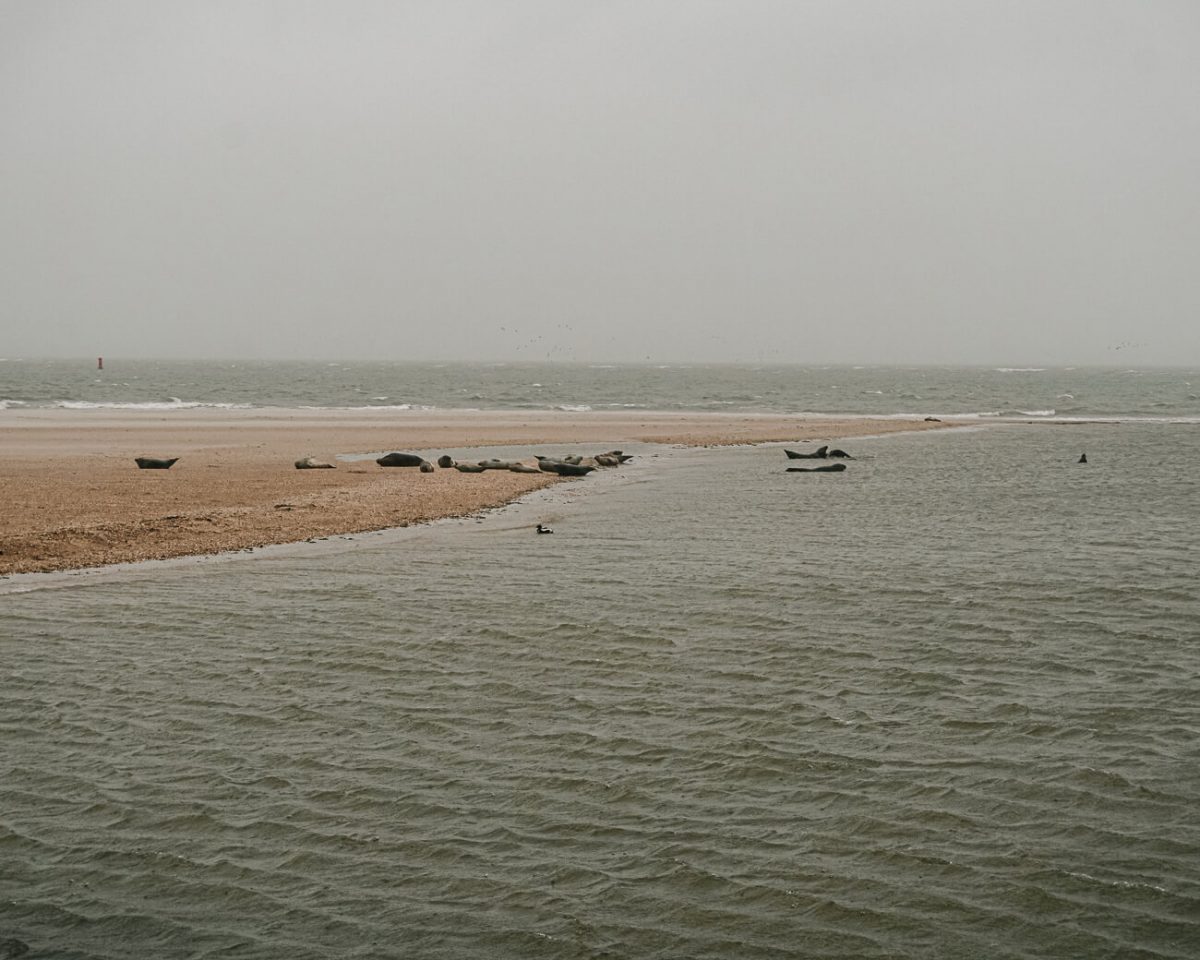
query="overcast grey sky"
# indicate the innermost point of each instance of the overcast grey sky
(802, 180)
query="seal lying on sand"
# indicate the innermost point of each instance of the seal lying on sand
(154, 463)
(494, 464)
(312, 463)
(826, 468)
(400, 460)
(819, 454)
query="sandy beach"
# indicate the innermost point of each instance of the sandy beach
(73, 497)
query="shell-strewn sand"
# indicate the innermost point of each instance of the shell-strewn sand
(71, 495)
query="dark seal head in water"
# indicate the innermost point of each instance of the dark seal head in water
(826, 468)
(154, 463)
(1082, 458)
(400, 460)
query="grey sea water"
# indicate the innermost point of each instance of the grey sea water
(1171, 394)
(944, 704)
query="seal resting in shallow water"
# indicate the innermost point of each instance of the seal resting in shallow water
(840, 453)
(312, 463)
(826, 468)
(564, 468)
(154, 463)
(400, 460)
(818, 454)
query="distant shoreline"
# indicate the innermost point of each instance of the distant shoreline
(75, 498)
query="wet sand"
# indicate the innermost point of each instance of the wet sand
(72, 497)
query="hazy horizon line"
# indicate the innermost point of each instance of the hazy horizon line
(1015, 366)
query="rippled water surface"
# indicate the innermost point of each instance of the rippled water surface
(944, 704)
(1050, 392)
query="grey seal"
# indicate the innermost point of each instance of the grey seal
(312, 463)
(400, 460)
(445, 460)
(571, 469)
(564, 468)
(1082, 458)
(494, 464)
(154, 463)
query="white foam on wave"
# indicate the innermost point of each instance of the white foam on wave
(1009, 413)
(173, 404)
(573, 407)
(383, 406)
(1020, 369)
(6, 404)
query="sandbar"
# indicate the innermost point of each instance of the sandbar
(71, 496)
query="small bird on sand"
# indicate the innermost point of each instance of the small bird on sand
(541, 529)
